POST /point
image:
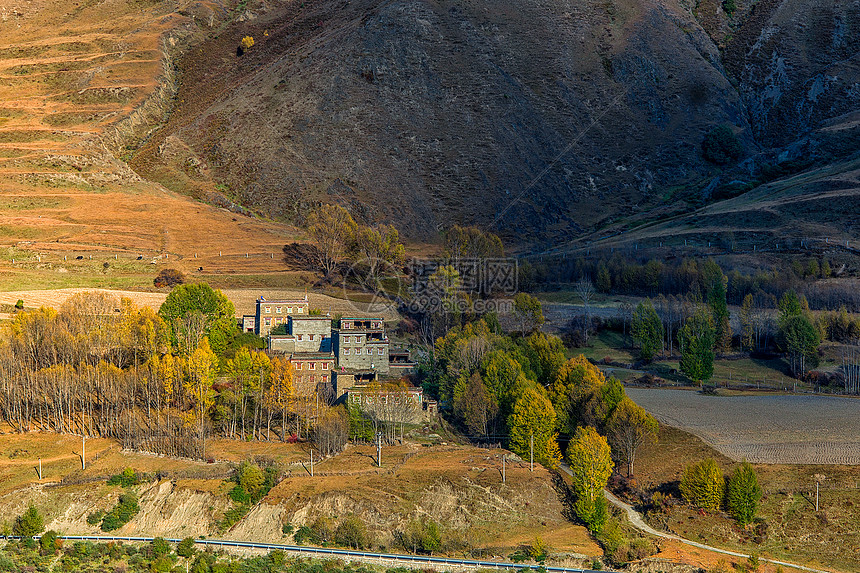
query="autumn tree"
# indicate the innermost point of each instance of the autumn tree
(743, 493)
(697, 346)
(703, 484)
(630, 428)
(282, 392)
(202, 368)
(532, 424)
(590, 461)
(377, 248)
(747, 327)
(476, 406)
(333, 231)
(647, 330)
(472, 243)
(528, 311)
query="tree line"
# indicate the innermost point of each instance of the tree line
(161, 382)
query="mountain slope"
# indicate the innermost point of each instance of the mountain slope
(531, 118)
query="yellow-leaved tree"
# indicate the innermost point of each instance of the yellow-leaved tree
(590, 461)
(281, 394)
(202, 367)
(532, 424)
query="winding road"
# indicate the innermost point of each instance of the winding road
(639, 523)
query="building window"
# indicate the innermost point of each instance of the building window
(325, 365)
(300, 310)
(298, 365)
(310, 336)
(346, 351)
(346, 339)
(268, 322)
(278, 309)
(312, 366)
(380, 352)
(268, 310)
(325, 379)
(358, 340)
(289, 310)
(299, 336)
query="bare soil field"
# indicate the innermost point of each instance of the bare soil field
(243, 299)
(765, 429)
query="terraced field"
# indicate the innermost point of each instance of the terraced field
(763, 429)
(80, 80)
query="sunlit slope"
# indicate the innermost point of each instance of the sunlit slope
(74, 77)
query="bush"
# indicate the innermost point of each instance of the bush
(29, 523)
(729, 6)
(95, 517)
(125, 509)
(48, 541)
(19, 305)
(703, 484)
(127, 478)
(351, 532)
(721, 146)
(159, 547)
(169, 278)
(185, 548)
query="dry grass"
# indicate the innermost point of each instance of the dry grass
(795, 532)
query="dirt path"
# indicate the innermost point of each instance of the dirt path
(639, 523)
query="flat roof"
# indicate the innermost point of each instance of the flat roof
(310, 317)
(277, 300)
(312, 356)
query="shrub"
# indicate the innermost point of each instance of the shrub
(29, 523)
(729, 7)
(721, 146)
(95, 517)
(351, 532)
(48, 541)
(169, 278)
(127, 478)
(19, 305)
(185, 548)
(703, 484)
(126, 508)
(159, 547)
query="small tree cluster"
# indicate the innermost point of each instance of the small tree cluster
(721, 146)
(169, 278)
(704, 486)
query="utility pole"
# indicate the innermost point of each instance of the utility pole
(379, 449)
(40, 468)
(312, 462)
(83, 452)
(532, 452)
(816, 497)
(503, 468)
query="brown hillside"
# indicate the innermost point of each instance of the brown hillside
(523, 117)
(73, 73)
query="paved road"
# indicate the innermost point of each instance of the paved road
(639, 523)
(396, 557)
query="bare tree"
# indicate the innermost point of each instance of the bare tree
(585, 290)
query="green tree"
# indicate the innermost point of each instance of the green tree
(647, 330)
(630, 428)
(697, 346)
(160, 547)
(351, 532)
(29, 523)
(743, 493)
(528, 311)
(48, 541)
(590, 461)
(720, 312)
(703, 484)
(800, 340)
(192, 311)
(533, 422)
(185, 548)
(721, 146)
(746, 319)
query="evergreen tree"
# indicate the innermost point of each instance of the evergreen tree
(647, 330)
(28, 524)
(703, 484)
(697, 344)
(743, 493)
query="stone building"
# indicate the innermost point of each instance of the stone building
(360, 343)
(272, 313)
